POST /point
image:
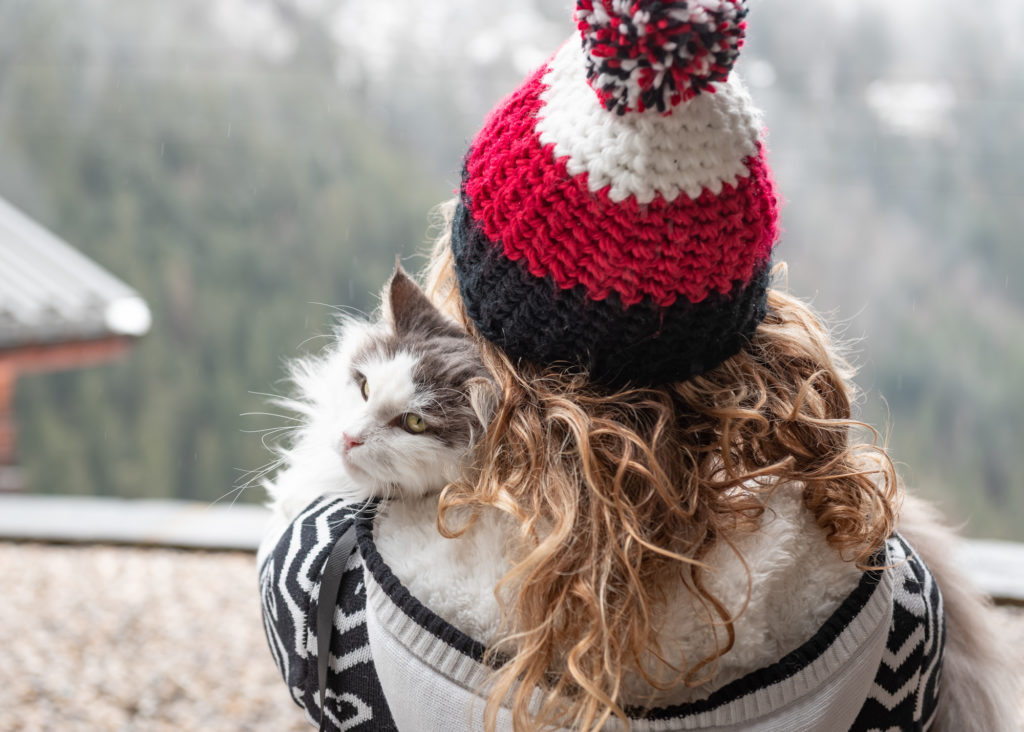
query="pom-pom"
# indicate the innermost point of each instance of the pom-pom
(647, 54)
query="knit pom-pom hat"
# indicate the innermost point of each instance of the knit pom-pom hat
(616, 210)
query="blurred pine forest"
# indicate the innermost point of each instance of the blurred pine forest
(252, 165)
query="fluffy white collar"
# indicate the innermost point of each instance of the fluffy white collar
(796, 582)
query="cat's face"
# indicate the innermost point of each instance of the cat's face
(399, 403)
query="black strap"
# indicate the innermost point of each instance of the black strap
(330, 583)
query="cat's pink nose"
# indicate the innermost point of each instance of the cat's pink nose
(350, 442)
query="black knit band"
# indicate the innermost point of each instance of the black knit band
(645, 344)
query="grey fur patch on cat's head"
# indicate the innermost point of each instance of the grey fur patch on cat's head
(448, 363)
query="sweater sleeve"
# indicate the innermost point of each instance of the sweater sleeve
(289, 585)
(905, 692)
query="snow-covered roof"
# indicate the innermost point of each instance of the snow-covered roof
(51, 293)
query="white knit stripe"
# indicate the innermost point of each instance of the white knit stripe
(291, 605)
(937, 640)
(344, 622)
(927, 723)
(270, 617)
(890, 701)
(324, 537)
(701, 145)
(895, 659)
(345, 661)
(363, 714)
(301, 575)
(363, 711)
(313, 711)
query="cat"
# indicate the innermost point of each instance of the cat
(389, 411)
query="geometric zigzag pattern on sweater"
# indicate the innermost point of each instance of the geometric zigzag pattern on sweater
(289, 587)
(902, 698)
(904, 695)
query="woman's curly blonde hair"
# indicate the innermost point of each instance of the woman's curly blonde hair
(618, 496)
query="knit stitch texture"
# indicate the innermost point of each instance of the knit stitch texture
(632, 240)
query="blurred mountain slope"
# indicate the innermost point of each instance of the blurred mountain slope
(237, 161)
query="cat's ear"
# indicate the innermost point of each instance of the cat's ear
(410, 310)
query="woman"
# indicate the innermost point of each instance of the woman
(694, 539)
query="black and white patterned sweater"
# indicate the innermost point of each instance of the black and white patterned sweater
(874, 665)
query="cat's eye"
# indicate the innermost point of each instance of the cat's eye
(364, 389)
(413, 423)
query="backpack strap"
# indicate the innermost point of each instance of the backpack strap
(330, 583)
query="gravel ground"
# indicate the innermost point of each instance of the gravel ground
(149, 640)
(135, 640)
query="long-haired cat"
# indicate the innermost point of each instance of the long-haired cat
(390, 410)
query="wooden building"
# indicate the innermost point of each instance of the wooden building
(58, 310)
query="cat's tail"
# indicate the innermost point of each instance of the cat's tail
(979, 689)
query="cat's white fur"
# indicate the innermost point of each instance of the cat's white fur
(328, 404)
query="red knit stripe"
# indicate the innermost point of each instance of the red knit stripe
(526, 200)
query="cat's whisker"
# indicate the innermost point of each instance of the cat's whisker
(343, 309)
(246, 473)
(275, 435)
(249, 477)
(272, 397)
(315, 337)
(236, 492)
(285, 428)
(270, 414)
